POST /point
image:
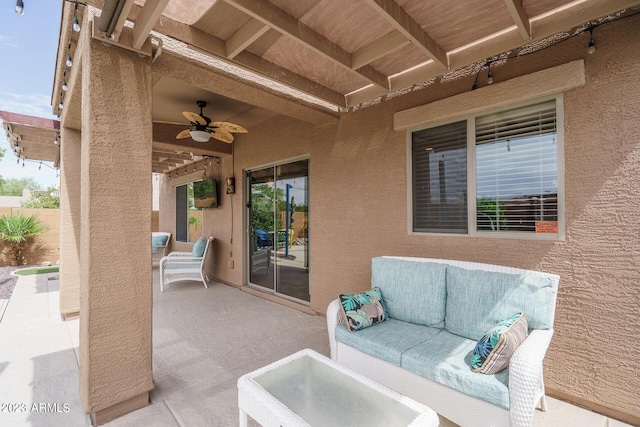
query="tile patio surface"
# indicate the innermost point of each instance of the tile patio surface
(204, 340)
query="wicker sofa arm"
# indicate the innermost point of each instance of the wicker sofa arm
(526, 385)
(334, 318)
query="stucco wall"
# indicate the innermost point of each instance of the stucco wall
(42, 248)
(358, 210)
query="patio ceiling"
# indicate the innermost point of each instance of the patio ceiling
(340, 53)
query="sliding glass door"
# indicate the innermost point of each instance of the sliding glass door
(277, 232)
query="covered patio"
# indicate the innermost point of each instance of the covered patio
(199, 354)
(334, 96)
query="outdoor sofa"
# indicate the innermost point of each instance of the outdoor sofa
(437, 311)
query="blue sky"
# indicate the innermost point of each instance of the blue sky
(28, 45)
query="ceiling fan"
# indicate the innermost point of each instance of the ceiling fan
(203, 128)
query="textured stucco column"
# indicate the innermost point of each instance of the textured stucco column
(115, 251)
(69, 222)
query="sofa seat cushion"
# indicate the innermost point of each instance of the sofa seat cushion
(446, 359)
(478, 300)
(387, 340)
(413, 291)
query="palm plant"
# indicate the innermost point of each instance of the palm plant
(15, 229)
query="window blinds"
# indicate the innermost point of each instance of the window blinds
(516, 168)
(440, 179)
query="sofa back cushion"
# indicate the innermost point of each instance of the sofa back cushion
(413, 291)
(477, 300)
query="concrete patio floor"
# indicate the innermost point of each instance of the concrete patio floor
(204, 340)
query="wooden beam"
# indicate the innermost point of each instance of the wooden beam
(247, 34)
(404, 23)
(171, 155)
(519, 16)
(37, 139)
(167, 163)
(213, 46)
(503, 41)
(232, 86)
(286, 24)
(122, 19)
(209, 45)
(146, 20)
(577, 14)
(383, 46)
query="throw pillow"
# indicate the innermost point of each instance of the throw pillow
(199, 247)
(363, 309)
(494, 350)
(159, 240)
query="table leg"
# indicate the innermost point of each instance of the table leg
(243, 418)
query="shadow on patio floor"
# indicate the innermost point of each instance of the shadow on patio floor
(203, 341)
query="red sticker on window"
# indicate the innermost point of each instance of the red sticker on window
(550, 227)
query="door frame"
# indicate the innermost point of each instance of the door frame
(246, 225)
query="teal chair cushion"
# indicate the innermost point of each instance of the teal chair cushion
(159, 240)
(199, 246)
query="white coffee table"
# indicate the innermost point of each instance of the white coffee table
(308, 389)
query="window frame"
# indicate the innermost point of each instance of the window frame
(471, 174)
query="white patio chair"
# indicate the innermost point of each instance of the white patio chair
(159, 244)
(179, 266)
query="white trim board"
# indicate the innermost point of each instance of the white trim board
(524, 88)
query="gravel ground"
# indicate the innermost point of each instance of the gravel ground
(7, 281)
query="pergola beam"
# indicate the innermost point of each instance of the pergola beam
(574, 15)
(146, 20)
(170, 154)
(396, 16)
(519, 16)
(247, 34)
(286, 24)
(122, 19)
(379, 48)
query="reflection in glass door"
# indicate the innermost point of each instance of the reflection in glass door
(278, 242)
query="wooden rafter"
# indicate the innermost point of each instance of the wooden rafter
(519, 16)
(286, 24)
(530, 28)
(379, 48)
(122, 19)
(146, 20)
(402, 22)
(547, 25)
(247, 34)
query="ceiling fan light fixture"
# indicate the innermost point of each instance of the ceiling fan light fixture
(200, 135)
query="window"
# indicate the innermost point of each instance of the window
(494, 174)
(188, 217)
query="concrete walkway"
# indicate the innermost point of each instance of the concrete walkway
(204, 340)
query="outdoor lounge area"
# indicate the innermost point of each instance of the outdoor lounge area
(198, 355)
(308, 138)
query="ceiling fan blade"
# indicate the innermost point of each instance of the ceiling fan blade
(221, 135)
(162, 122)
(194, 118)
(228, 127)
(184, 134)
